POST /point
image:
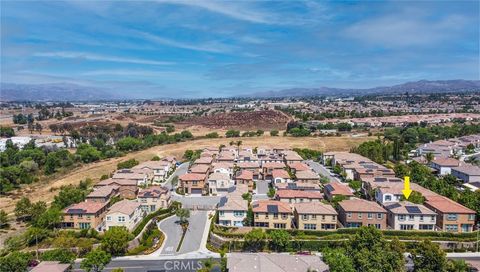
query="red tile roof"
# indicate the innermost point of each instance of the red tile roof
(262, 206)
(192, 177)
(446, 205)
(85, 208)
(360, 205)
(280, 173)
(299, 166)
(287, 193)
(336, 188)
(245, 174)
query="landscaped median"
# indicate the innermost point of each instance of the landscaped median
(148, 237)
(306, 240)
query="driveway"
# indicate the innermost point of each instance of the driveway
(173, 232)
(322, 170)
(262, 187)
(181, 169)
(197, 202)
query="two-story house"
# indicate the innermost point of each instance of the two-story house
(409, 216)
(103, 194)
(192, 183)
(232, 211)
(154, 198)
(451, 216)
(356, 212)
(272, 214)
(314, 216)
(125, 213)
(245, 177)
(84, 215)
(298, 196)
(219, 182)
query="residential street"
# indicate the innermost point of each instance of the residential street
(321, 170)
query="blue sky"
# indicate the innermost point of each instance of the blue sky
(216, 48)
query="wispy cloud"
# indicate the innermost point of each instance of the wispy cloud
(97, 57)
(229, 9)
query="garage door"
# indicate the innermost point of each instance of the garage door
(196, 191)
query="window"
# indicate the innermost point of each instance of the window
(222, 213)
(471, 217)
(305, 216)
(310, 226)
(432, 218)
(406, 227)
(379, 216)
(421, 217)
(370, 215)
(266, 215)
(334, 217)
(349, 215)
(411, 217)
(388, 198)
(256, 215)
(452, 216)
(284, 216)
(314, 216)
(82, 225)
(425, 227)
(238, 213)
(359, 215)
(453, 228)
(121, 219)
(80, 216)
(401, 217)
(109, 218)
(279, 226)
(275, 215)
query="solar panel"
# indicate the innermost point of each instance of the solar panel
(292, 186)
(329, 187)
(412, 209)
(272, 208)
(380, 179)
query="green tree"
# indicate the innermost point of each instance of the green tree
(68, 195)
(338, 261)
(212, 135)
(279, 239)
(416, 197)
(15, 261)
(232, 133)
(49, 219)
(23, 209)
(61, 255)
(274, 133)
(115, 240)
(88, 153)
(183, 214)
(127, 164)
(271, 192)
(429, 157)
(255, 239)
(3, 219)
(428, 256)
(95, 261)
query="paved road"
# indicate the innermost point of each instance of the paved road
(174, 265)
(192, 202)
(181, 169)
(322, 170)
(262, 187)
(173, 231)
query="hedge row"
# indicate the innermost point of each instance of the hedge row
(173, 207)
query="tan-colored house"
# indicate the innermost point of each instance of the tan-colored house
(125, 213)
(245, 177)
(268, 167)
(334, 189)
(159, 169)
(154, 198)
(103, 194)
(298, 196)
(193, 183)
(272, 214)
(451, 216)
(200, 169)
(205, 160)
(127, 187)
(355, 212)
(292, 157)
(307, 176)
(84, 215)
(298, 166)
(314, 216)
(141, 176)
(280, 176)
(254, 167)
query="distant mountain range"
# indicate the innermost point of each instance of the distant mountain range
(74, 92)
(422, 86)
(52, 92)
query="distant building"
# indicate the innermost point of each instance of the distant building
(444, 166)
(467, 173)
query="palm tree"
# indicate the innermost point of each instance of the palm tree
(183, 214)
(429, 156)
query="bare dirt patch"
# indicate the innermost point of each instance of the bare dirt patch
(249, 120)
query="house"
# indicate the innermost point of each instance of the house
(200, 169)
(451, 216)
(356, 212)
(314, 216)
(154, 198)
(280, 176)
(297, 166)
(254, 167)
(84, 215)
(138, 175)
(443, 166)
(232, 211)
(393, 192)
(409, 216)
(298, 185)
(192, 183)
(272, 214)
(103, 194)
(298, 196)
(268, 167)
(51, 266)
(334, 189)
(127, 187)
(307, 176)
(204, 160)
(226, 156)
(274, 262)
(160, 169)
(292, 157)
(125, 213)
(245, 177)
(219, 182)
(223, 167)
(467, 173)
